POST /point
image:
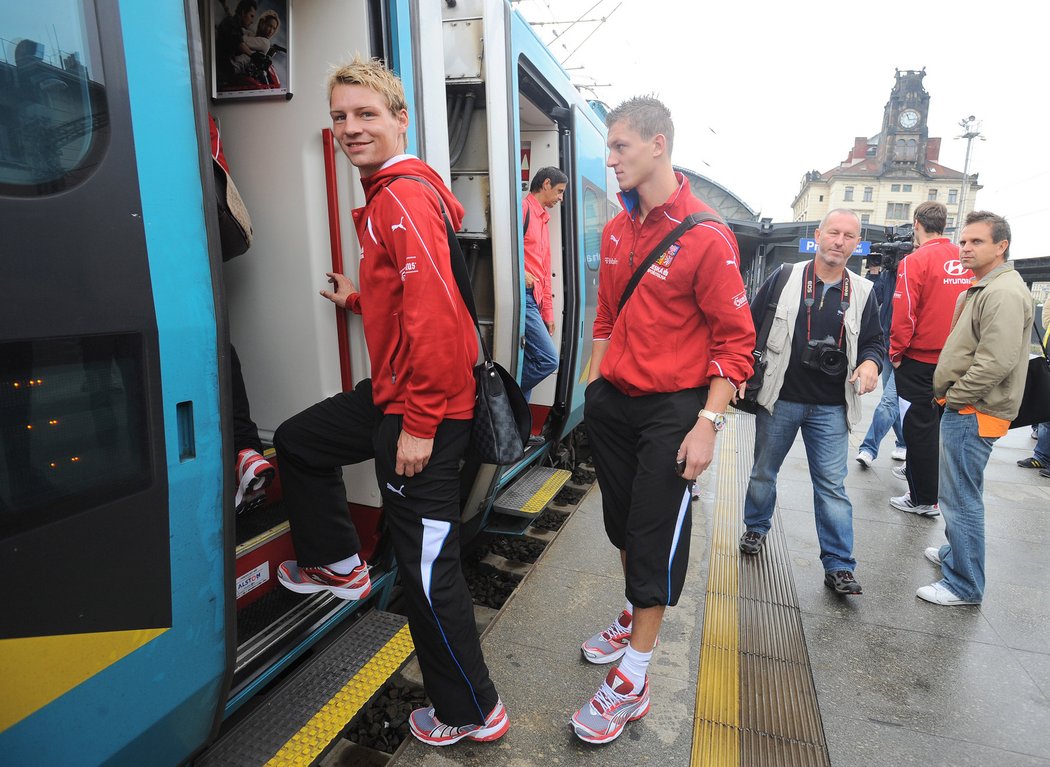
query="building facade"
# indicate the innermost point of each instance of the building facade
(885, 177)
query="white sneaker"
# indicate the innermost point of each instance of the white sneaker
(899, 453)
(898, 472)
(939, 594)
(904, 503)
(865, 459)
(933, 553)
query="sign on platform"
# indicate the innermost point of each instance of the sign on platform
(808, 245)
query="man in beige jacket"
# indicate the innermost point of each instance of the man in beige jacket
(980, 380)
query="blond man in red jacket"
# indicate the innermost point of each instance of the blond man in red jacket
(662, 373)
(413, 417)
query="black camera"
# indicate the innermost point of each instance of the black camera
(899, 243)
(825, 355)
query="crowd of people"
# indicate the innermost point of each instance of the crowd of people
(673, 347)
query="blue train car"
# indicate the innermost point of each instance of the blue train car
(141, 612)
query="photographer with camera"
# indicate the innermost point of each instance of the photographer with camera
(928, 283)
(882, 271)
(824, 350)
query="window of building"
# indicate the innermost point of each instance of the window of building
(820, 199)
(932, 195)
(898, 211)
(864, 219)
(953, 196)
(951, 222)
(895, 187)
(848, 194)
(868, 192)
(906, 188)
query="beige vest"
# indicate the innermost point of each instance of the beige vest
(778, 345)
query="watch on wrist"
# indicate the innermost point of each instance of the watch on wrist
(718, 420)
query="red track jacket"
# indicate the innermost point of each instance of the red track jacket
(421, 339)
(688, 320)
(928, 283)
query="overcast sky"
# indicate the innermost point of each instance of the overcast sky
(762, 92)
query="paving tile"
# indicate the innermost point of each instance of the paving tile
(959, 690)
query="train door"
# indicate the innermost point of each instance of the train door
(112, 645)
(295, 348)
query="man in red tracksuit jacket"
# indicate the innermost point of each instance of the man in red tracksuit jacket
(413, 417)
(928, 283)
(662, 373)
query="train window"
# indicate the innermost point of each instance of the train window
(54, 123)
(593, 224)
(73, 425)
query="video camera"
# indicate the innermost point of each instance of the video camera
(899, 243)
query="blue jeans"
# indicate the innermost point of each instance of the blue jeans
(887, 414)
(541, 358)
(964, 455)
(1042, 447)
(826, 436)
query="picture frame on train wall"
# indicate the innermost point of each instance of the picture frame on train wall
(250, 50)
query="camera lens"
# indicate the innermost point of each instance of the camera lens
(833, 362)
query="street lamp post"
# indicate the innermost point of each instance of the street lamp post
(971, 129)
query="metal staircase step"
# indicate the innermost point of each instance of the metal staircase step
(528, 496)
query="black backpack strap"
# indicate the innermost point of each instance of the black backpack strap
(528, 213)
(688, 223)
(771, 306)
(457, 262)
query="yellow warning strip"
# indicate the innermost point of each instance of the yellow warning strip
(316, 735)
(539, 500)
(716, 732)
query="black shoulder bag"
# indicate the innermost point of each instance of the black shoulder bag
(502, 419)
(749, 402)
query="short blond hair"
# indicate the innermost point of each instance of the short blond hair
(647, 116)
(372, 74)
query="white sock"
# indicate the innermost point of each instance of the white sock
(344, 566)
(628, 607)
(634, 665)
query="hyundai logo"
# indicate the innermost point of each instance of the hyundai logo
(955, 268)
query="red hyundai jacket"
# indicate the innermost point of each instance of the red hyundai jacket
(688, 321)
(421, 340)
(929, 281)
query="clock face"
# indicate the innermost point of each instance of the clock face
(909, 118)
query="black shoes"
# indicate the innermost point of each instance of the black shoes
(751, 542)
(841, 580)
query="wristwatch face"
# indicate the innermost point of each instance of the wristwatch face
(909, 118)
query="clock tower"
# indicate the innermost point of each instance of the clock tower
(904, 131)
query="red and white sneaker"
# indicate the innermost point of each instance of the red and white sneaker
(611, 643)
(613, 706)
(426, 727)
(254, 473)
(309, 580)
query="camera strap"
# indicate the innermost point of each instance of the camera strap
(809, 296)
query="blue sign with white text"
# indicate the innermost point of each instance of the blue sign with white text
(808, 245)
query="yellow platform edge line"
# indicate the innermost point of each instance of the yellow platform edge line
(716, 731)
(539, 500)
(314, 736)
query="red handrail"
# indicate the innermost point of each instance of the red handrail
(331, 186)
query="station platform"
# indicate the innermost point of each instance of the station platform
(761, 664)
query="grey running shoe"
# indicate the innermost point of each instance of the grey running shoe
(426, 727)
(751, 541)
(609, 644)
(613, 706)
(899, 473)
(842, 581)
